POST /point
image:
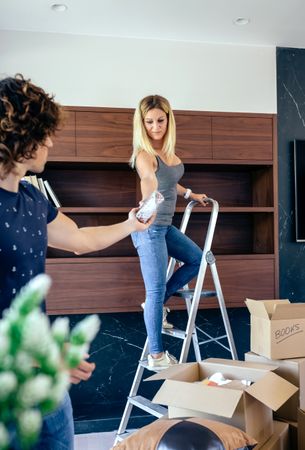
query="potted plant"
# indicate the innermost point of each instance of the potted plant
(35, 358)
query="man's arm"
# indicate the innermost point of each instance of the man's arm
(64, 234)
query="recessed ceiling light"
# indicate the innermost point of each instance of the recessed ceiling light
(241, 21)
(59, 7)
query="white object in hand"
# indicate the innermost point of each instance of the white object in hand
(149, 206)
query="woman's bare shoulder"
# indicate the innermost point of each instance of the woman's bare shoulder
(146, 159)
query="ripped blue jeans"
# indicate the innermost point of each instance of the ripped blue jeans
(154, 246)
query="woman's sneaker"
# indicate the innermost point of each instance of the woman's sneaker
(163, 362)
(165, 324)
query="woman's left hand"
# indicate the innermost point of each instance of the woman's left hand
(199, 198)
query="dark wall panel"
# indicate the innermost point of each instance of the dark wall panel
(291, 125)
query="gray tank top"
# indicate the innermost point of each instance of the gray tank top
(168, 178)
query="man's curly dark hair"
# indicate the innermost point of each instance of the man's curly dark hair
(28, 115)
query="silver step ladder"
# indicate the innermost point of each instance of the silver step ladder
(192, 299)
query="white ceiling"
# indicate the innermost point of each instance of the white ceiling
(272, 22)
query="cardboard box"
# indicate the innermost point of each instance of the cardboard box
(277, 328)
(293, 435)
(249, 409)
(301, 429)
(292, 370)
(279, 439)
(297, 432)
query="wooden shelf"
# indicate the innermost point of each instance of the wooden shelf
(196, 210)
(229, 156)
(95, 210)
(114, 159)
(230, 209)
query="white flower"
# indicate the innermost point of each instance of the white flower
(7, 362)
(60, 329)
(8, 383)
(60, 387)
(4, 327)
(4, 436)
(4, 344)
(32, 294)
(75, 354)
(24, 363)
(29, 423)
(53, 359)
(35, 390)
(86, 330)
(36, 336)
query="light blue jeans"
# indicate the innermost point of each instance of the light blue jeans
(58, 429)
(154, 246)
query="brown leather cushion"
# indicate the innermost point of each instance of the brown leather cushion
(187, 434)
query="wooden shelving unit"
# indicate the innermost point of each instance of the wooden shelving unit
(230, 156)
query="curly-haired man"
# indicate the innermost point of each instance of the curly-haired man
(29, 223)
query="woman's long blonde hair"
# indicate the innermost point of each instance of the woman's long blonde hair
(140, 138)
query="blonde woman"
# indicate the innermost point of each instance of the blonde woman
(159, 168)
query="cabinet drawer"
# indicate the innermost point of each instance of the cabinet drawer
(242, 278)
(104, 134)
(239, 279)
(104, 285)
(64, 139)
(115, 284)
(193, 136)
(248, 138)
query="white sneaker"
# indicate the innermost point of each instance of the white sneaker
(165, 324)
(163, 362)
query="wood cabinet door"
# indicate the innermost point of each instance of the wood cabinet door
(64, 139)
(241, 278)
(104, 134)
(245, 138)
(193, 136)
(104, 285)
(115, 284)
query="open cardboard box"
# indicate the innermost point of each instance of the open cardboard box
(292, 370)
(249, 409)
(277, 328)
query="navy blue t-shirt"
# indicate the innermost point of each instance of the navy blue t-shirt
(24, 216)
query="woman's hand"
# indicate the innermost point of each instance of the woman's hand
(199, 198)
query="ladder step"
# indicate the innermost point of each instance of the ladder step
(144, 363)
(120, 437)
(185, 293)
(174, 332)
(148, 406)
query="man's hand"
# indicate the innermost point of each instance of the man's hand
(139, 226)
(81, 373)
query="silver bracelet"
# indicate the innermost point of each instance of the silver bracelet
(187, 194)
